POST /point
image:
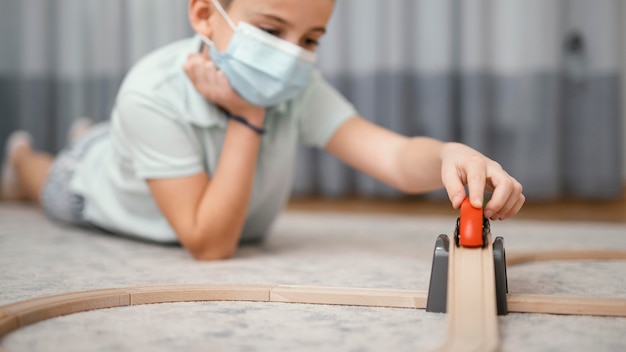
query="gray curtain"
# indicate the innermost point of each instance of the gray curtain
(63, 59)
(534, 84)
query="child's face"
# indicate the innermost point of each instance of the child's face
(302, 22)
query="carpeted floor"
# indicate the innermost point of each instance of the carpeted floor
(39, 258)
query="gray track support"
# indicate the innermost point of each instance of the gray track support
(438, 289)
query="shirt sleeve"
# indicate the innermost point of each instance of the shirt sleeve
(159, 144)
(324, 109)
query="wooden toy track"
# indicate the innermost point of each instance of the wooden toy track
(16, 315)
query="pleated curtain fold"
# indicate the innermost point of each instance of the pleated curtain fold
(534, 84)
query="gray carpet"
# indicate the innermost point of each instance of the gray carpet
(38, 258)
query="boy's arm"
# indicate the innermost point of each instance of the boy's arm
(208, 214)
(421, 164)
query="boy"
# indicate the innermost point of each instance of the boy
(200, 146)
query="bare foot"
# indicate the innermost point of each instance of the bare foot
(18, 144)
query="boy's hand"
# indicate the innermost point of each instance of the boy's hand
(463, 165)
(213, 85)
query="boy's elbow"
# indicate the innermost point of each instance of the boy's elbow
(405, 184)
(210, 249)
(410, 188)
(213, 255)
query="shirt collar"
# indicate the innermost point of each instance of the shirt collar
(202, 112)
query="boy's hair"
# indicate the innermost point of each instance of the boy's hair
(226, 3)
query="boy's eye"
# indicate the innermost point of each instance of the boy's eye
(310, 42)
(272, 31)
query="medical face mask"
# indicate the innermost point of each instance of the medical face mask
(263, 69)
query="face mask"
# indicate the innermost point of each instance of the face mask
(263, 69)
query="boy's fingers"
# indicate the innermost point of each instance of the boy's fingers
(454, 186)
(221, 78)
(476, 176)
(195, 59)
(516, 208)
(506, 197)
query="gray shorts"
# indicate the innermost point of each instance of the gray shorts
(58, 201)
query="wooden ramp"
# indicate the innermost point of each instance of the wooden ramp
(471, 301)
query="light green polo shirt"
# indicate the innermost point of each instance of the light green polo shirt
(162, 128)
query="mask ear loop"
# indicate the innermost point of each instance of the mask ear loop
(220, 9)
(206, 42)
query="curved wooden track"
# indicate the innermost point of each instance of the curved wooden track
(16, 315)
(543, 256)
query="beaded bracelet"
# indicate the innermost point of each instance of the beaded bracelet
(242, 120)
